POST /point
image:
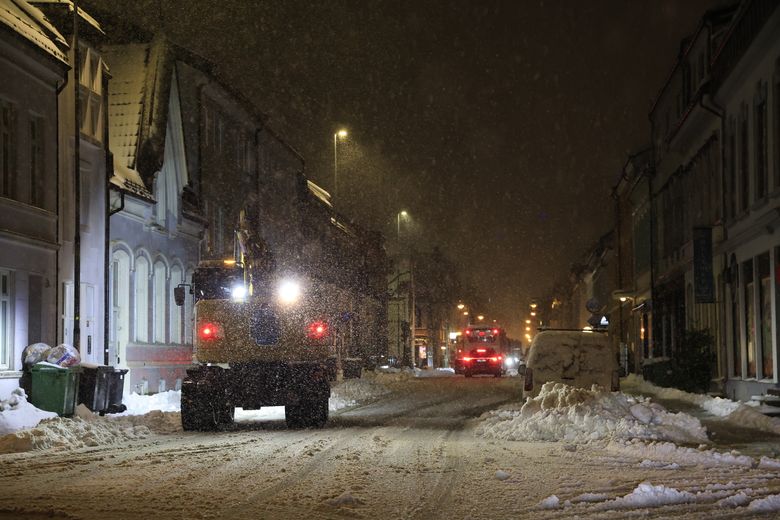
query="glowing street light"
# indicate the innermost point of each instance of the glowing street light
(460, 306)
(480, 317)
(341, 134)
(400, 214)
(465, 313)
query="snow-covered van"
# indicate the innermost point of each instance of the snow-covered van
(576, 358)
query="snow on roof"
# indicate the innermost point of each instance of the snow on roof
(69, 4)
(130, 181)
(319, 192)
(129, 65)
(31, 24)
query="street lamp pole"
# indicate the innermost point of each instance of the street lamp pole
(341, 133)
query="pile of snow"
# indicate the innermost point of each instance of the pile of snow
(667, 455)
(646, 495)
(351, 392)
(17, 414)
(564, 413)
(23, 427)
(436, 372)
(738, 413)
(137, 404)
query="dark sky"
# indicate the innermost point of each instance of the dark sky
(499, 126)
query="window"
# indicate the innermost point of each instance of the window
(7, 149)
(160, 301)
(776, 115)
(744, 161)
(736, 348)
(119, 335)
(760, 141)
(6, 339)
(90, 92)
(731, 166)
(750, 317)
(141, 299)
(765, 313)
(37, 175)
(177, 315)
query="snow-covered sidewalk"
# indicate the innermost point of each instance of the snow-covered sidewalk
(738, 413)
(23, 427)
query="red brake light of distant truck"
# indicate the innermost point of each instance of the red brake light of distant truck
(209, 331)
(317, 330)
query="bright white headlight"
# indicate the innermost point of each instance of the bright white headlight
(289, 291)
(238, 292)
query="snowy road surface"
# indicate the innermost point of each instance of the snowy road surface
(413, 453)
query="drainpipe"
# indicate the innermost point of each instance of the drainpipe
(58, 91)
(76, 182)
(107, 236)
(720, 113)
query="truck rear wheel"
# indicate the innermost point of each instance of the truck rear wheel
(308, 413)
(205, 401)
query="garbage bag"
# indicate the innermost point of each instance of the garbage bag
(34, 353)
(64, 355)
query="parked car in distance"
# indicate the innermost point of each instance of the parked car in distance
(483, 360)
(576, 358)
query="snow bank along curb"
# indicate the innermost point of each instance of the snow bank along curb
(23, 427)
(737, 413)
(564, 413)
(647, 495)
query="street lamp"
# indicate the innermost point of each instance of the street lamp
(460, 306)
(400, 214)
(480, 317)
(341, 134)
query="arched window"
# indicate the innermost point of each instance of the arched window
(177, 313)
(142, 299)
(119, 330)
(160, 301)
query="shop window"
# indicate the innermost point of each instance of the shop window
(736, 348)
(750, 317)
(765, 314)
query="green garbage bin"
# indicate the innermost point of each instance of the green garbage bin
(54, 388)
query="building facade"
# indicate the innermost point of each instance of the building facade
(33, 65)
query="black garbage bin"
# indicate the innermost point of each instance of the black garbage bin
(93, 387)
(116, 386)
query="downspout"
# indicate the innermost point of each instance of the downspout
(108, 213)
(76, 182)
(58, 91)
(720, 113)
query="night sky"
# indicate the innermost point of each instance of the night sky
(499, 126)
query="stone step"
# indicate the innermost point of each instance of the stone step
(773, 391)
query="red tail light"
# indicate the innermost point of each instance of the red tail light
(528, 385)
(466, 359)
(468, 332)
(495, 332)
(495, 359)
(209, 331)
(317, 330)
